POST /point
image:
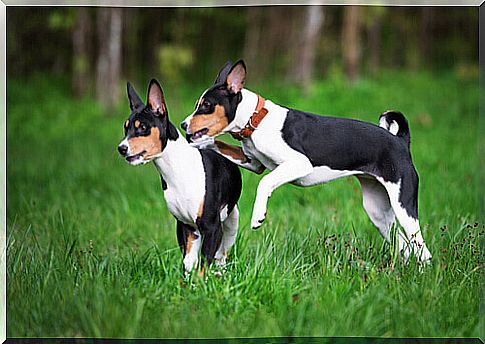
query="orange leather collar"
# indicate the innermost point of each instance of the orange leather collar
(254, 121)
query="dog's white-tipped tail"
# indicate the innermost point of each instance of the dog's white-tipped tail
(396, 124)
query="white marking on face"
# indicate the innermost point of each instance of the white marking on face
(139, 160)
(189, 118)
(125, 142)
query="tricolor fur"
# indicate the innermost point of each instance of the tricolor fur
(306, 149)
(201, 187)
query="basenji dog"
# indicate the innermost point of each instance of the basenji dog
(201, 187)
(307, 149)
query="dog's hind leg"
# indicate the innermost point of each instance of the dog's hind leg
(403, 197)
(377, 205)
(211, 230)
(189, 242)
(229, 233)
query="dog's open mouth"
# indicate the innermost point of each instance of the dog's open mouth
(135, 157)
(198, 134)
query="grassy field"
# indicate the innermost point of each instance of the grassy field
(92, 248)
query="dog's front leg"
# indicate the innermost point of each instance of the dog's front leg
(284, 173)
(237, 156)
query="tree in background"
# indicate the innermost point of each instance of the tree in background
(373, 23)
(301, 68)
(268, 39)
(427, 18)
(252, 43)
(108, 68)
(81, 47)
(351, 41)
(97, 46)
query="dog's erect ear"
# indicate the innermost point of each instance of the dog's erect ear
(156, 100)
(135, 101)
(236, 77)
(222, 76)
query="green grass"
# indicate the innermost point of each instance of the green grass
(92, 248)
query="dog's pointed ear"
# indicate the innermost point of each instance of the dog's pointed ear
(236, 77)
(135, 100)
(155, 98)
(222, 76)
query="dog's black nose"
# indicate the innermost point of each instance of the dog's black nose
(123, 149)
(184, 125)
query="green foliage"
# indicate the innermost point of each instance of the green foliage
(92, 248)
(62, 19)
(174, 60)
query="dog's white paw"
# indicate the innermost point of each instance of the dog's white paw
(190, 263)
(220, 260)
(257, 219)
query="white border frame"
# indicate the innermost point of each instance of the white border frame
(3, 172)
(154, 3)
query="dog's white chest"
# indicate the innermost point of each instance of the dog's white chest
(183, 203)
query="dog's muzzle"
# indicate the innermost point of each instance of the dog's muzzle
(123, 149)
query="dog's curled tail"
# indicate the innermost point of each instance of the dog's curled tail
(396, 124)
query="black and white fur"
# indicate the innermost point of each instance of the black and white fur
(306, 149)
(201, 187)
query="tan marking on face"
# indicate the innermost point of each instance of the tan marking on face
(127, 123)
(234, 152)
(151, 144)
(137, 124)
(191, 237)
(215, 122)
(201, 209)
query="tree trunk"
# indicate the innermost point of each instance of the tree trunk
(301, 70)
(81, 47)
(374, 40)
(351, 41)
(425, 33)
(108, 68)
(131, 36)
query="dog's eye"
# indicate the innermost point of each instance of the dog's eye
(143, 127)
(206, 104)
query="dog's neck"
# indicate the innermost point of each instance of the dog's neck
(244, 111)
(175, 158)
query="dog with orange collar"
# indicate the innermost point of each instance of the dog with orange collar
(307, 149)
